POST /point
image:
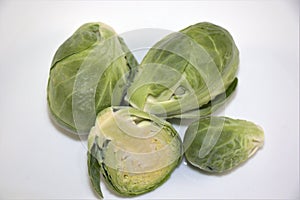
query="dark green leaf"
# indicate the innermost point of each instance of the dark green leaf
(94, 170)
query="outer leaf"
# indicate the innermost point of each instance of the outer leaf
(94, 170)
(86, 36)
(89, 72)
(185, 71)
(213, 105)
(218, 144)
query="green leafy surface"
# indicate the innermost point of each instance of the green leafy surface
(186, 70)
(94, 170)
(137, 151)
(218, 144)
(90, 71)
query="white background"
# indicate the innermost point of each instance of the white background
(39, 161)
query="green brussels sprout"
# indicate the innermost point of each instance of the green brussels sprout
(218, 144)
(89, 72)
(134, 151)
(187, 73)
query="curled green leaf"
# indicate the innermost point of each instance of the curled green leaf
(94, 170)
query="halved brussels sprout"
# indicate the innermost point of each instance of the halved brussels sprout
(88, 73)
(218, 144)
(134, 151)
(187, 74)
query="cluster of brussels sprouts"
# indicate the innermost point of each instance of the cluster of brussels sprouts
(97, 87)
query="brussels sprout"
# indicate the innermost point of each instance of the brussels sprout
(187, 74)
(134, 151)
(218, 144)
(88, 73)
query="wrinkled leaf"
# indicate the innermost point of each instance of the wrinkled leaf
(90, 71)
(185, 71)
(218, 144)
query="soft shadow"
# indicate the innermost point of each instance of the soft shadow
(182, 122)
(192, 167)
(222, 110)
(62, 130)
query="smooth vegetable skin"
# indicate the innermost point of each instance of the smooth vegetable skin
(218, 144)
(89, 72)
(187, 74)
(134, 151)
